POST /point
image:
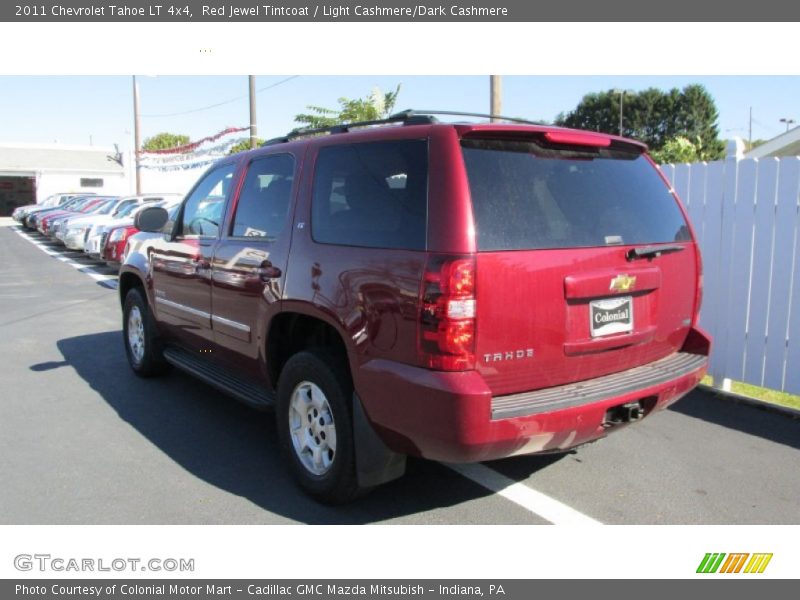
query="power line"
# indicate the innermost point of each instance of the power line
(194, 110)
(768, 128)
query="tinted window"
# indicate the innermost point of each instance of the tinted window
(202, 211)
(525, 197)
(264, 199)
(373, 195)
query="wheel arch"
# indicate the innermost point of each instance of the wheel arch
(291, 332)
(127, 281)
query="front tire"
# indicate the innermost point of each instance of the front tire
(142, 345)
(315, 426)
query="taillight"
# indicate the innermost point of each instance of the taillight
(447, 318)
(120, 234)
(698, 299)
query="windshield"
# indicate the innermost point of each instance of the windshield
(107, 207)
(126, 210)
(83, 203)
(95, 209)
(526, 196)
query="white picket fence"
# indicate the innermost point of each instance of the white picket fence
(746, 214)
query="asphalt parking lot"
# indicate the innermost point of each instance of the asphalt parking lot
(84, 441)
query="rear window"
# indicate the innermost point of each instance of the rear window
(372, 195)
(526, 196)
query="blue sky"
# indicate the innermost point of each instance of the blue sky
(77, 109)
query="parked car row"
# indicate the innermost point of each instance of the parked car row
(99, 226)
(21, 213)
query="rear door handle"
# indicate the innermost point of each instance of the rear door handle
(201, 264)
(267, 271)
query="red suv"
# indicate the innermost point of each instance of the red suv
(459, 292)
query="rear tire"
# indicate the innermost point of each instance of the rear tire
(315, 426)
(142, 345)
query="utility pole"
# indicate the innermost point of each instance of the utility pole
(495, 96)
(750, 131)
(137, 136)
(621, 96)
(253, 126)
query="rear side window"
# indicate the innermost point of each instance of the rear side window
(525, 196)
(264, 199)
(372, 195)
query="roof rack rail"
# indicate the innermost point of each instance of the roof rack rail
(406, 117)
(453, 113)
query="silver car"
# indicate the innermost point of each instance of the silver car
(94, 236)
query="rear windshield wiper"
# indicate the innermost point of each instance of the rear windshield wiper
(651, 251)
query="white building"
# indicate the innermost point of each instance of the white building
(31, 172)
(786, 144)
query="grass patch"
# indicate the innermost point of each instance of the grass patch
(760, 393)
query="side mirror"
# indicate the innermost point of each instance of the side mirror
(151, 219)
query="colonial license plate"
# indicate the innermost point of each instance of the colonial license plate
(612, 315)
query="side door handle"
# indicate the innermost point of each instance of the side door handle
(267, 271)
(201, 264)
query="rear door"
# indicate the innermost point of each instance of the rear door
(569, 285)
(249, 265)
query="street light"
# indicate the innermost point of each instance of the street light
(788, 122)
(621, 96)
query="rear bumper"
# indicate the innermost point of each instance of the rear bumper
(453, 417)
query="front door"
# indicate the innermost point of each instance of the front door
(182, 265)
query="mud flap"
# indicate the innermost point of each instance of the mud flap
(375, 462)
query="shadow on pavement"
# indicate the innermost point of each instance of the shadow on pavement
(751, 420)
(234, 447)
(47, 366)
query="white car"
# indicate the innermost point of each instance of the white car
(72, 231)
(92, 243)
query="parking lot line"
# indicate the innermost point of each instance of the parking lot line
(104, 279)
(536, 502)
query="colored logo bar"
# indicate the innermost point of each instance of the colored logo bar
(737, 562)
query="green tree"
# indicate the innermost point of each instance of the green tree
(244, 145)
(655, 117)
(676, 150)
(754, 144)
(164, 141)
(699, 117)
(378, 105)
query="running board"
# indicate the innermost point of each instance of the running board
(221, 378)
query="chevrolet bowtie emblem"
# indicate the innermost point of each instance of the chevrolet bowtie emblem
(622, 283)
